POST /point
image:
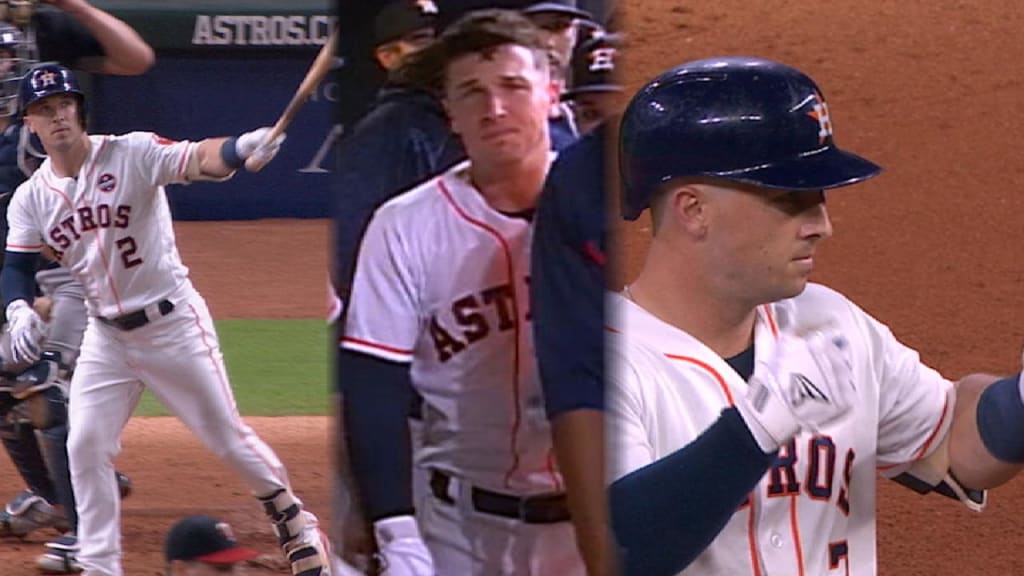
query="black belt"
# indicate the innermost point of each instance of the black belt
(139, 318)
(544, 509)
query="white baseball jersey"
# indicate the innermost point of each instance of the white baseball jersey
(111, 226)
(813, 513)
(441, 282)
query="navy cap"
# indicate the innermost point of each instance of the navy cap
(399, 19)
(559, 6)
(593, 66)
(205, 539)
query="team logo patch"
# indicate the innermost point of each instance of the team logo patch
(106, 182)
(225, 529)
(163, 141)
(602, 59)
(820, 113)
(47, 78)
(426, 6)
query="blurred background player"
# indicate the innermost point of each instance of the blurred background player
(595, 93)
(559, 22)
(82, 36)
(403, 28)
(204, 546)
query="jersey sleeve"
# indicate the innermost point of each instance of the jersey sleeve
(23, 234)
(162, 160)
(915, 401)
(567, 281)
(627, 443)
(64, 39)
(383, 318)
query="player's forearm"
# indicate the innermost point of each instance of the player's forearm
(655, 509)
(209, 157)
(17, 279)
(377, 395)
(579, 446)
(126, 52)
(986, 445)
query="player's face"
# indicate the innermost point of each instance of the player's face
(592, 108)
(765, 240)
(55, 119)
(499, 103)
(559, 31)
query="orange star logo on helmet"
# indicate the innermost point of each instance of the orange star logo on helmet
(820, 113)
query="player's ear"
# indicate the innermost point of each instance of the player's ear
(685, 203)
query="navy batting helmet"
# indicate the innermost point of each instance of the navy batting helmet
(747, 120)
(47, 79)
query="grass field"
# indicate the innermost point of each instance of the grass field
(277, 367)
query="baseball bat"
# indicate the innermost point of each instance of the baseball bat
(317, 72)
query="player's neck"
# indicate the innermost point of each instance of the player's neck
(512, 188)
(67, 162)
(686, 299)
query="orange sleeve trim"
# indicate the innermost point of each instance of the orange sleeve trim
(718, 377)
(935, 431)
(383, 347)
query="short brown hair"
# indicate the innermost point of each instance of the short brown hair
(477, 32)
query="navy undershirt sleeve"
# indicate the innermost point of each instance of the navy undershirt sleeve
(17, 280)
(378, 394)
(666, 513)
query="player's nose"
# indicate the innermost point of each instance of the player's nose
(817, 223)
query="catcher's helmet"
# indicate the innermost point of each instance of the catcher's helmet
(13, 63)
(47, 79)
(743, 119)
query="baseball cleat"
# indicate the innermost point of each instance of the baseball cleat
(60, 558)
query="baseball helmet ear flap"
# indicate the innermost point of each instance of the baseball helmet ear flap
(49, 79)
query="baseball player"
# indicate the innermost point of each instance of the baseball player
(567, 295)
(439, 305)
(595, 92)
(80, 35)
(98, 203)
(401, 28)
(749, 410)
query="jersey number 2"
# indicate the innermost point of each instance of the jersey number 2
(128, 248)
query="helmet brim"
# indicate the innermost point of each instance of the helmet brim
(827, 168)
(823, 170)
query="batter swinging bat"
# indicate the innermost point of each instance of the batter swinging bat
(317, 72)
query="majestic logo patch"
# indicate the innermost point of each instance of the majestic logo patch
(820, 113)
(106, 182)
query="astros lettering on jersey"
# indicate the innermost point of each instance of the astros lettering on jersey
(106, 223)
(813, 513)
(442, 282)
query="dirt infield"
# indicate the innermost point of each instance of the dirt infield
(260, 269)
(932, 246)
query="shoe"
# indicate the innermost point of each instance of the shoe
(124, 484)
(309, 554)
(27, 513)
(60, 558)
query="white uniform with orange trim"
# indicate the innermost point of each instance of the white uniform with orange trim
(442, 283)
(112, 229)
(813, 513)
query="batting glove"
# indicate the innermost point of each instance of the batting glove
(27, 332)
(252, 145)
(402, 550)
(806, 384)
